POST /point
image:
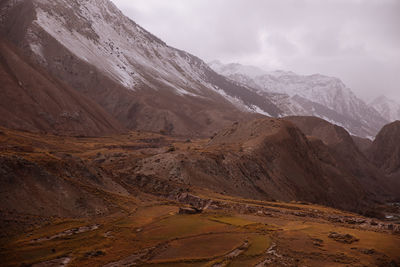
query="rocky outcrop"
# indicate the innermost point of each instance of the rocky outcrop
(343, 238)
(189, 210)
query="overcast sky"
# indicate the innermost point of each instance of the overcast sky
(355, 40)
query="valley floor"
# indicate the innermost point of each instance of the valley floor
(145, 229)
(154, 234)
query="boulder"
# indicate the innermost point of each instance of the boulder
(189, 210)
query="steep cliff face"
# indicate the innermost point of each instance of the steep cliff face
(136, 77)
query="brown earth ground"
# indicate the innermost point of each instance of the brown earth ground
(122, 224)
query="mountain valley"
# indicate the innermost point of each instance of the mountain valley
(117, 149)
(76, 201)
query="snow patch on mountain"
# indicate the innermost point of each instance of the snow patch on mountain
(234, 68)
(256, 109)
(234, 100)
(313, 95)
(97, 54)
(116, 45)
(389, 108)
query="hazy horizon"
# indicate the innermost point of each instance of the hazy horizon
(357, 41)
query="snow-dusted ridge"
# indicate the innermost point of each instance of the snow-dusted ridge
(99, 34)
(388, 108)
(313, 95)
(114, 43)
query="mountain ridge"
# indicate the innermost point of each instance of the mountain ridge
(319, 95)
(389, 108)
(136, 77)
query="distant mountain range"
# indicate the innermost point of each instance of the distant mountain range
(388, 108)
(314, 95)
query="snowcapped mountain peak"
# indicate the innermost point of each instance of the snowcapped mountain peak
(381, 98)
(280, 73)
(389, 108)
(316, 95)
(236, 68)
(318, 88)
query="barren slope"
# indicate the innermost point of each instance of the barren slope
(267, 159)
(137, 78)
(385, 150)
(32, 100)
(347, 157)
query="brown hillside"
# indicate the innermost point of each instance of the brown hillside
(153, 104)
(264, 159)
(348, 158)
(363, 144)
(385, 150)
(32, 100)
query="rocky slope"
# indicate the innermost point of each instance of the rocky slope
(384, 153)
(40, 178)
(265, 159)
(312, 95)
(347, 156)
(272, 159)
(385, 150)
(32, 100)
(363, 144)
(136, 77)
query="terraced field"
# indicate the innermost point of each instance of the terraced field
(157, 235)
